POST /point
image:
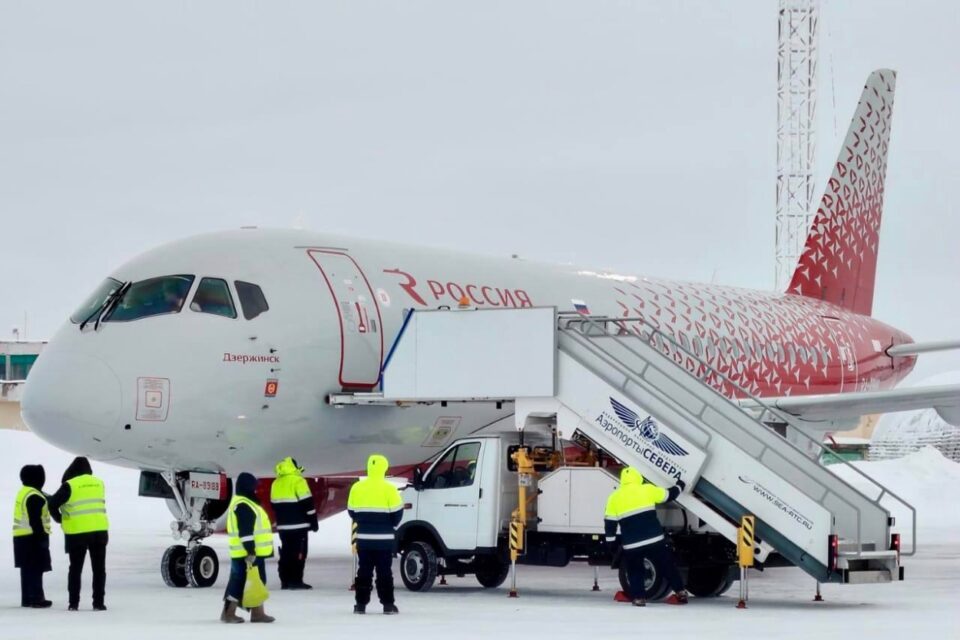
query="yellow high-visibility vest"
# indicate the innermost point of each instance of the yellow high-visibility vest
(21, 520)
(262, 536)
(86, 511)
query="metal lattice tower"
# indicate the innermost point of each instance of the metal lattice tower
(796, 129)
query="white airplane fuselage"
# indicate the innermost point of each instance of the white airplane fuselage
(191, 390)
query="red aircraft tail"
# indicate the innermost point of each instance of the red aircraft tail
(839, 261)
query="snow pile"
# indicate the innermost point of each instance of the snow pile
(898, 434)
(924, 479)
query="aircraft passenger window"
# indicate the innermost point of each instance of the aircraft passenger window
(152, 297)
(456, 469)
(95, 301)
(252, 300)
(213, 296)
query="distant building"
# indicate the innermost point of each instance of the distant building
(16, 360)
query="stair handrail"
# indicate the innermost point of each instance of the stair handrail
(566, 320)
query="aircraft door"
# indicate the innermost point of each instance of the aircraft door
(361, 330)
(847, 366)
(450, 498)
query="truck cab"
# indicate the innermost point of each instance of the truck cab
(458, 512)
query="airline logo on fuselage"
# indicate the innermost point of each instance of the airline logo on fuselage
(481, 295)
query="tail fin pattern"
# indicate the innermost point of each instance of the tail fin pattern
(839, 261)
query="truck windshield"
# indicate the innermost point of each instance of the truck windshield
(95, 300)
(155, 296)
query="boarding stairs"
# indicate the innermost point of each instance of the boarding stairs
(652, 404)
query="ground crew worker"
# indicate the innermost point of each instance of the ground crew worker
(375, 506)
(80, 506)
(251, 540)
(295, 514)
(632, 508)
(31, 537)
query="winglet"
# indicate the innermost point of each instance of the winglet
(839, 261)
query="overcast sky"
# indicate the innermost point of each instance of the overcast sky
(638, 136)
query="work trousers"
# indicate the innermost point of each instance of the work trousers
(293, 556)
(31, 585)
(662, 558)
(367, 562)
(97, 548)
(238, 578)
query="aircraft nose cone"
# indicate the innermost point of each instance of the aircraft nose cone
(72, 400)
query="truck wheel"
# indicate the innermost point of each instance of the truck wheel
(655, 584)
(492, 571)
(709, 581)
(418, 566)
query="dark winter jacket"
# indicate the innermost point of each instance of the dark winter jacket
(79, 467)
(33, 550)
(246, 486)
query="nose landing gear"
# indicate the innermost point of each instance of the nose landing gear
(192, 564)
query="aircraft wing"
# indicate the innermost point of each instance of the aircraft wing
(844, 407)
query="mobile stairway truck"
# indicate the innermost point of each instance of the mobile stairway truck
(620, 390)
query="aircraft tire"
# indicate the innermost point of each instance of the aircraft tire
(418, 566)
(202, 566)
(173, 567)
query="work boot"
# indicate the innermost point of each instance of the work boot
(229, 615)
(390, 609)
(359, 608)
(677, 597)
(257, 615)
(639, 602)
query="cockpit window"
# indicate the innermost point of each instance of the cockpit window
(93, 304)
(251, 299)
(152, 297)
(213, 296)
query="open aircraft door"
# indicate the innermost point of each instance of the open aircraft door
(361, 327)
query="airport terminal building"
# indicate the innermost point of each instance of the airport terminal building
(16, 360)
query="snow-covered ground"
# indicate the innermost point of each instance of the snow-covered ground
(553, 602)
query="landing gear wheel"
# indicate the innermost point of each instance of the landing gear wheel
(492, 571)
(709, 581)
(203, 566)
(654, 583)
(173, 567)
(418, 566)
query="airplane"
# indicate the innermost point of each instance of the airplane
(216, 353)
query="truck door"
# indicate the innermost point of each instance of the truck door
(450, 496)
(361, 333)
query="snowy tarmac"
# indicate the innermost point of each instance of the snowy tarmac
(553, 602)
